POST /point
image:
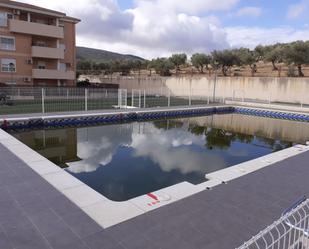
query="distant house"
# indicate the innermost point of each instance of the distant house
(37, 46)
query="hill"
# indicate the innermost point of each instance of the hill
(97, 55)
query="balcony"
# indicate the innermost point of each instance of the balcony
(45, 52)
(53, 74)
(32, 28)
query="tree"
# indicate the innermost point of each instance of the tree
(225, 59)
(247, 57)
(178, 60)
(274, 55)
(136, 65)
(260, 52)
(199, 61)
(162, 66)
(84, 65)
(297, 53)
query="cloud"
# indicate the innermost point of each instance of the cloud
(152, 28)
(193, 7)
(249, 12)
(101, 19)
(296, 10)
(169, 26)
(242, 36)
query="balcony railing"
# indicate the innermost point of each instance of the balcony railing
(36, 29)
(52, 74)
(46, 52)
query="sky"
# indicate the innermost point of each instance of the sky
(155, 28)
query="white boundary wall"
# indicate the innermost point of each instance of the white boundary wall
(290, 90)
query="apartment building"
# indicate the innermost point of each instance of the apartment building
(37, 46)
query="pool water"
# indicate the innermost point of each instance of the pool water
(124, 161)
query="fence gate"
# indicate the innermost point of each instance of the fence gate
(122, 98)
(136, 100)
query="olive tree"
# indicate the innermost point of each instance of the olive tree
(162, 66)
(200, 61)
(274, 55)
(225, 59)
(297, 53)
(245, 56)
(177, 60)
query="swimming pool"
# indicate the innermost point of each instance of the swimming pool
(123, 161)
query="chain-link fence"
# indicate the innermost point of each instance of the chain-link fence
(18, 100)
(291, 231)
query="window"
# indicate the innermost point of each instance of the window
(41, 65)
(40, 44)
(7, 43)
(8, 65)
(4, 18)
(62, 67)
(62, 46)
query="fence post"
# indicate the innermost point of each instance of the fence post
(86, 99)
(132, 98)
(126, 98)
(169, 98)
(144, 98)
(43, 100)
(302, 101)
(139, 99)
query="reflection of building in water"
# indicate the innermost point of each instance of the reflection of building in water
(59, 146)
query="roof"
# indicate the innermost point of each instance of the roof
(36, 9)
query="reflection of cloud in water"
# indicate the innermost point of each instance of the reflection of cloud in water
(167, 148)
(97, 145)
(161, 148)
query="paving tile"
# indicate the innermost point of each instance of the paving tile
(62, 180)
(9, 178)
(22, 192)
(108, 213)
(4, 241)
(65, 238)
(62, 206)
(47, 222)
(26, 237)
(44, 167)
(137, 243)
(83, 196)
(35, 204)
(103, 241)
(136, 226)
(81, 224)
(5, 194)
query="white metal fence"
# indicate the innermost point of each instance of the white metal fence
(239, 95)
(16, 100)
(291, 231)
